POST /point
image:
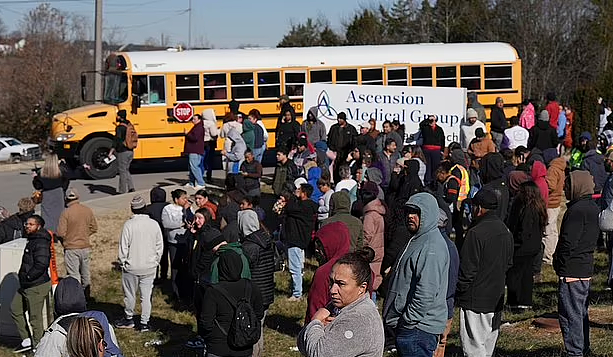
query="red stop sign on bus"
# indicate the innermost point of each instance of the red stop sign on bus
(183, 112)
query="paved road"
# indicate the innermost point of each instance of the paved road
(17, 184)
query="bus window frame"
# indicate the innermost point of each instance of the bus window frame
(394, 67)
(370, 82)
(303, 71)
(432, 76)
(252, 85)
(454, 78)
(199, 87)
(332, 71)
(480, 78)
(166, 85)
(205, 87)
(510, 65)
(279, 84)
(347, 68)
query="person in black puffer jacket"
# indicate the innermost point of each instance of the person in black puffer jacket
(157, 196)
(200, 240)
(257, 246)
(34, 281)
(217, 313)
(13, 226)
(542, 135)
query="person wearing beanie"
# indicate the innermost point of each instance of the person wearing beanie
(542, 135)
(77, 224)
(140, 250)
(573, 261)
(499, 122)
(468, 128)
(578, 152)
(341, 140)
(480, 146)
(485, 258)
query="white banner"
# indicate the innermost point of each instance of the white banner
(409, 105)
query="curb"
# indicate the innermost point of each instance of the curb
(26, 165)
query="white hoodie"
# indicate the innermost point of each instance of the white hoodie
(140, 245)
(210, 124)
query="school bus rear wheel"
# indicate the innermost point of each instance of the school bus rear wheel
(94, 153)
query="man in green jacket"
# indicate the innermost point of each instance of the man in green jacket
(416, 306)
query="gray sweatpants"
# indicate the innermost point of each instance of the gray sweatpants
(479, 332)
(77, 264)
(130, 282)
(124, 159)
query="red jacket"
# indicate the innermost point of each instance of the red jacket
(335, 238)
(553, 108)
(539, 174)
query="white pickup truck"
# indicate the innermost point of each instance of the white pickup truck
(13, 150)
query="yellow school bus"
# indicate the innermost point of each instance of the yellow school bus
(149, 84)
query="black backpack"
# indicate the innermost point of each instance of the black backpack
(245, 327)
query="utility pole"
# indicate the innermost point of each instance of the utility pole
(98, 53)
(189, 31)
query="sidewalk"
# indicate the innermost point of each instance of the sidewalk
(24, 165)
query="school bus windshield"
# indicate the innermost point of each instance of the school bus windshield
(115, 88)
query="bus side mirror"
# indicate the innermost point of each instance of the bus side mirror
(87, 86)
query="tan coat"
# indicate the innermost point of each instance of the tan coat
(374, 236)
(555, 180)
(479, 149)
(77, 223)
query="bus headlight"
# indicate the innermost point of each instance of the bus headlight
(64, 137)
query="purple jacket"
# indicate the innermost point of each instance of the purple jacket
(194, 140)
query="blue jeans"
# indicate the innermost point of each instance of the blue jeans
(574, 320)
(295, 257)
(259, 153)
(415, 343)
(195, 172)
(205, 164)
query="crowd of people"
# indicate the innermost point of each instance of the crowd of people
(425, 227)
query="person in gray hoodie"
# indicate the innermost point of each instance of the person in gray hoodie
(313, 127)
(236, 155)
(349, 325)
(416, 305)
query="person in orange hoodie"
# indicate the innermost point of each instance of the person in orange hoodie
(331, 242)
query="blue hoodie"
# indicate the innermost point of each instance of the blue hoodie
(418, 288)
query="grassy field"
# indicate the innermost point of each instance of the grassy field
(172, 328)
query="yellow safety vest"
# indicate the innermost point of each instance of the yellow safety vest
(464, 185)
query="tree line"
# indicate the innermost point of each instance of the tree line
(566, 47)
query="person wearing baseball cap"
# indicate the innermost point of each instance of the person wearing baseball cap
(468, 128)
(140, 251)
(77, 223)
(365, 140)
(485, 257)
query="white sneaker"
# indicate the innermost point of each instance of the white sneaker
(188, 185)
(198, 187)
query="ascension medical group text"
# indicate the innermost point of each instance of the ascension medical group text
(402, 115)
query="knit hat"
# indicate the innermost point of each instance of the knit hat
(586, 135)
(479, 133)
(342, 115)
(72, 194)
(137, 203)
(471, 113)
(544, 115)
(485, 198)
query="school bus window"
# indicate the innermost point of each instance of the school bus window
(372, 76)
(269, 85)
(152, 89)
(242, 85)
(446, 76)
(498, 76)
(347, 76)
(470, 77)
(215, 86)
(421, 76)
(294, 83)
(188, 87)
(397, 76)
(324, 76)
